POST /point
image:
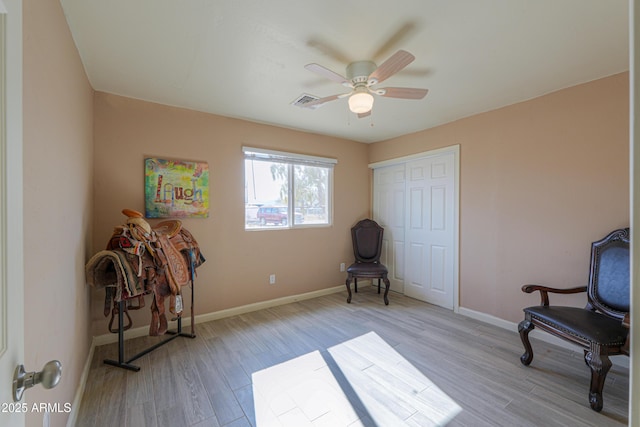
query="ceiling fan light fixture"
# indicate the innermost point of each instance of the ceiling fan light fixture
(361, 102)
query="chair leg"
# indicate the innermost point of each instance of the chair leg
(386, 291)
(348, 283)
(600, 365)
(524, 328)
(355, 284)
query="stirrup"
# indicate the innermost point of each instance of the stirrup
(113, 316)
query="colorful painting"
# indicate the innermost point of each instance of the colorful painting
(176, 189)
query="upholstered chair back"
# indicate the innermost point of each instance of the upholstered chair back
(367, 241)
(609, 282)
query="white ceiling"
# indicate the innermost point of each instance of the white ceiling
(245, 58)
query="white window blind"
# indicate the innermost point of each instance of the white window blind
(285, 157)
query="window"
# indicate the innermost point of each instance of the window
(286, 190)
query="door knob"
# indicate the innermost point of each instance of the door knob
(49, 377)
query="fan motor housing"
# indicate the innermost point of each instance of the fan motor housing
(358, 72)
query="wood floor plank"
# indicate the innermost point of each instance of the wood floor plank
(142, 415)
(222, 398)
(244, 396)
(209, 422)
(372, 365)
(240, 422)
(227, 363)
(88, 412)
(112, 407)
(189, 387)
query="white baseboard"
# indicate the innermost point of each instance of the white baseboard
(77, 399)
(621, 361)
(202, 318)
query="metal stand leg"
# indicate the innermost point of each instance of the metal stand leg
(121, 363)
(126, 364)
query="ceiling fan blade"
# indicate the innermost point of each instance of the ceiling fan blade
(361, 115)
(325, 72)
(401, 33)
(395, 63)
(416, 72)
(329, 50)
(402, 92)
(321, 101)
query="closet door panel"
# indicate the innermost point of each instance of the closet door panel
(389, 196)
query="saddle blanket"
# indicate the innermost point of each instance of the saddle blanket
(112, 268)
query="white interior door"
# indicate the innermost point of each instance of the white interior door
(11, 222)
(415, 200)
(430, 244)
(388, 211)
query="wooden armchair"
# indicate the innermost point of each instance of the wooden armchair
(602, 327)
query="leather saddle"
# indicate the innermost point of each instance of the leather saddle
(162, 258)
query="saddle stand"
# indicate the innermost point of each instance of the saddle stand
(122, 305)
(143, 260)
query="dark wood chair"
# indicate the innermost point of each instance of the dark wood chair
(366, 237)
(601, 328)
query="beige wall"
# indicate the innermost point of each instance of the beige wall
(238, 262)
(539, 181)
(58, 121)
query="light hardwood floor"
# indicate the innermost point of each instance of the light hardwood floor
(322, 362)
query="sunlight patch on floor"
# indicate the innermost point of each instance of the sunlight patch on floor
(393, 391)
(360, 382)
(300, 392)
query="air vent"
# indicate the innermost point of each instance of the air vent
(303, 99)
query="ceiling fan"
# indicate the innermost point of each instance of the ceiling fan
(361, 77)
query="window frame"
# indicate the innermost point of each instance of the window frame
(292, 160)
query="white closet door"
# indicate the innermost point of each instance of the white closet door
(415, 200)
(388, 211)
(430, 234)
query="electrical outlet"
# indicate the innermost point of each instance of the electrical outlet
(272, 279)
(342, 266)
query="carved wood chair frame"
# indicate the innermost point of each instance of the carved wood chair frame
(601, 328)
